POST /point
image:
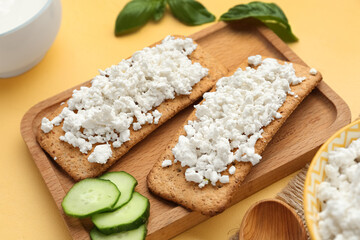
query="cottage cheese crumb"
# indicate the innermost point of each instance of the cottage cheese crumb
(254, 60)
(313, 71)
(56, 121)
(166, 163)
(232, 170)
(136, 126)
(116, 144)
(46, 125)
(231, 120)
(193, 176)
(157, 116)
(122, 96)
(101, 154)
(339, 194)
(224, 179)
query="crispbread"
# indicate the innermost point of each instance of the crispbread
(170, 182)
(76, 164)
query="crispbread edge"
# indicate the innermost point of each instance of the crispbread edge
(76, 164)
(170, 182)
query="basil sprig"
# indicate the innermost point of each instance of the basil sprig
(269, 13)
(137, 13)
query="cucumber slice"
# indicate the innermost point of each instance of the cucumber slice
(129, 217)
(136, 234)
(90, 196)
(125, 183)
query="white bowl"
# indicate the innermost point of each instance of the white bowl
(26, 41)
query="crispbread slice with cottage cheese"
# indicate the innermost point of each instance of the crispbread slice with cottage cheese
(170, 183)
(76, 164)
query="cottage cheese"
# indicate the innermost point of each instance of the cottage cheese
(313, 71)
(157, 116)
(254, 60)
(232, 170)
(101, 154)
(125, 94)
(230, 121)
(339, 195)
(46, 125)
(166, 163)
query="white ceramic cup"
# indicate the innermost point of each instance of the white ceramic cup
(23, 43)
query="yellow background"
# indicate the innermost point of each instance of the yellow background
(329, 33)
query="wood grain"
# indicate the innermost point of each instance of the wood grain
(315, 120)
(262, 222)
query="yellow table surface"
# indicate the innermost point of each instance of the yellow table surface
(329, 33)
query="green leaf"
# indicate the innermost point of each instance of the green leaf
(269, 13)
(134, 15)
(160, 6)
(190, 12)
(281, 31)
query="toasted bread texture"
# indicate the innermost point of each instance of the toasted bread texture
(76, 163)
(170, 183)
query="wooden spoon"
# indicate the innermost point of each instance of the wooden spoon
(271, 219)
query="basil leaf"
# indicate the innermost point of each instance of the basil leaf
(159, 9)
(281, 31)
(134, 15)
(190, 12)
(269, 13)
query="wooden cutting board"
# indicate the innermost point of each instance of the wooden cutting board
(315, 120)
